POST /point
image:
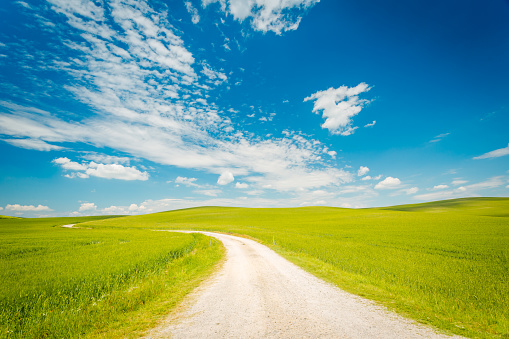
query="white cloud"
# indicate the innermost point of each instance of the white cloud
(439, 137)
(241, 185)
(412, 190)
(332, 154)
(339, 106)
(107, 171)
(106, 159)
(1, 208)
(494, 154)
(187, 181)
(267, 15)
(463, 191)
(24, 4)
(363, 170)
(439, 187)
(225, 178)
(114, 210)
(193, 11)
(367, 177)
(87, 206)
(134, 72)
(67, 164)
(216, 76)
(136, 208)
(27, 208)
(371, 124)
(355, 189)
(457, 182)
(388, 183)
(210, 193)
(115, 171)
(34, 144)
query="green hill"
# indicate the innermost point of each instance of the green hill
(496, 207)
(445, 263)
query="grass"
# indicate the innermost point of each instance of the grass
(443, 263)
(94, 282)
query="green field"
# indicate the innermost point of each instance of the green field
(442, 263)
(93, 282)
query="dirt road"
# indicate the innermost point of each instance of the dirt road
(258, 294)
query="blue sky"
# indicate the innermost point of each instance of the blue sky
(128, 107)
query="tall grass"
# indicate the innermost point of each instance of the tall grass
(443, 263)
(61, 282)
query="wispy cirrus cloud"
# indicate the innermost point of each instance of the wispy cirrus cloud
(186, 181)
(149, 98)
(266, 15)
(439, 137)
(195, 17)
(35, 144)
(494, 154)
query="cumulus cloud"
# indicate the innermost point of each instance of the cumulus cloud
(457, 182)
(412, 190)
(67, 164)
(439, 187)
(186, 181)
(134, 207)
(363, 170)
(241, 185)
(27, 208)
(370, 124)
(87, 206)
(339, 106)
(114, 210)
(494, 154)
(225, 178)
(388, 183)
(107, 171)
(267, 15)
(115, 171)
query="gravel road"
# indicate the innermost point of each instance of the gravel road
(258, 294)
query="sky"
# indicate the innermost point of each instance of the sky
(131, 107)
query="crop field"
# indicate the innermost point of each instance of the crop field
(93, 282)
(443, 263)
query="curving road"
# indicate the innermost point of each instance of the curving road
(258, 294)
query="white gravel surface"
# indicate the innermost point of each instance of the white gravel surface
(258, 294)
